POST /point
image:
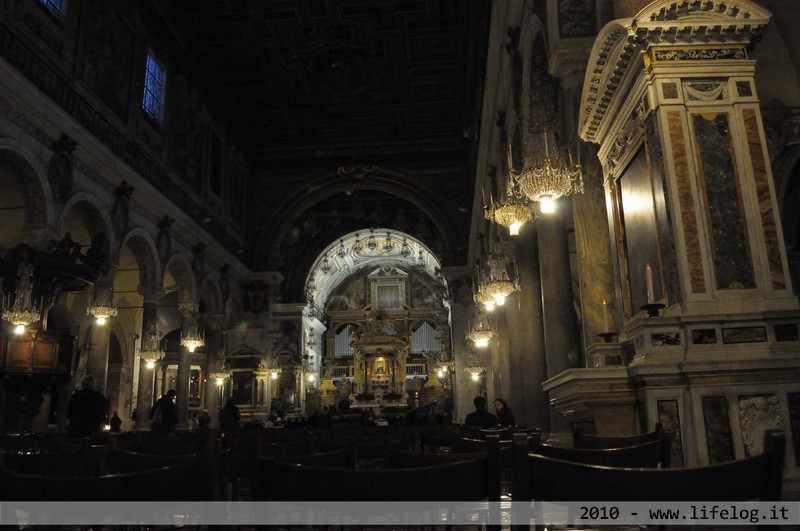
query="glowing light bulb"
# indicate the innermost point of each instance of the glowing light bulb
(513, 229)
(150, 364)
(439, 373)
(19, 329)
(482, 343)
(547, 204)
(500, 299)
(489, 305)
(274, 376)
(101, 321)
(475, 376)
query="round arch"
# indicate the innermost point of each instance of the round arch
(356, 251)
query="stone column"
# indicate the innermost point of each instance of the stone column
(145, 391)
(97, 358)
(212, 346)
(560, 330)
(527, 327)
(187, 311)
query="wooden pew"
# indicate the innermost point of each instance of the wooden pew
(284, 481)
(186, 482)
(124, 461)
(757, 477)
(651, 454)
(597, 441)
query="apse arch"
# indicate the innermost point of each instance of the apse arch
(358, 250)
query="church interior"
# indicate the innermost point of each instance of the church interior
(359, 215)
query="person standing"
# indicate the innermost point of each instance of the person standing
(229, 417)
(86, 410)
(163, 416)
(204, 420)
(480, 417)
(505, 417)
(116, 423)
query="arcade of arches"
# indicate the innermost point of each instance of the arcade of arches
(664, 292)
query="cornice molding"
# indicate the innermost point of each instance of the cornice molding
(662, 23)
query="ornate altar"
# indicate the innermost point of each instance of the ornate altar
(379, 355)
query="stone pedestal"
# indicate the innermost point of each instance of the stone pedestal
(595, 400)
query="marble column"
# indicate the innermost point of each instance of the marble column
(560, 327)
(526, 327)
(213, 346)
(99, 335)
(187, 311)
(145, 392)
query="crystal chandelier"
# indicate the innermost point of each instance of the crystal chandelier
(545, 175)
(476, 368)
(481, 331)
(102, 307)
(151, 351)
(191, 339)
(101, 312)
(509, 214)
(220, 376)
(497, 284)
(483, 299)
(22, 313)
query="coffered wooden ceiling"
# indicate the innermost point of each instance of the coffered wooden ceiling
(351, 114)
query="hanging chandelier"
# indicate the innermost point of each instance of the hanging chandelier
(481, 331)
(220, 376)
(191, 339)
(483, 299)
(151, 351)
(545, 175)
(475, 368)
(509, 214)
(101, 312)
(274, 372)
(497, 284)
(22, 313)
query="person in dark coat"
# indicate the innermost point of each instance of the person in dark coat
(480, 417)
(116, 423)
(229, 417)
(505, 418)
(163, 416)
(204, 420)
(86, 410)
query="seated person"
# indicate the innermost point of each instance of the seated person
(480, 417)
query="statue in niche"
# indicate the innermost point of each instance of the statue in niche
(59, 173)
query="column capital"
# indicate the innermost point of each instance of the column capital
(150, 293)
(187, 308)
